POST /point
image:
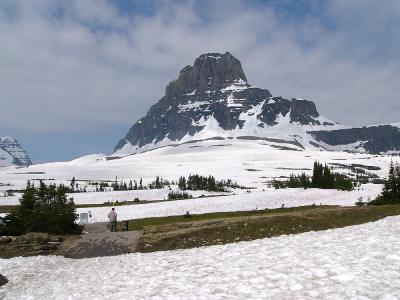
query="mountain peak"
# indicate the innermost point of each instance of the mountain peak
(12, 153)
(210, 72)
(212, 98)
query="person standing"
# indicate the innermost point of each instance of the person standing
(112, 217)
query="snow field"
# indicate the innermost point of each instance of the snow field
(250, 163)
(356, 262)
(114, 196)
(256, 199)
(224, 159)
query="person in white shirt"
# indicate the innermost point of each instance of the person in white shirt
(112, 217)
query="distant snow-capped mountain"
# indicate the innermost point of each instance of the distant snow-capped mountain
(11, 153)
(213, 99)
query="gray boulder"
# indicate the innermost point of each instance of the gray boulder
(3, 280)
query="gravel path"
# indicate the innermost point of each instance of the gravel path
(99, 241)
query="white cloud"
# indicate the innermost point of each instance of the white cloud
(76, 65)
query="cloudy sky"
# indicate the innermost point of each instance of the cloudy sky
(76, 74)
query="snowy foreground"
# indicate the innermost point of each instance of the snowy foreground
(357, 262)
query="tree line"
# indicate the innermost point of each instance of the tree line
(120, 185)
(322, 178)
(206, 183)
(192, 182)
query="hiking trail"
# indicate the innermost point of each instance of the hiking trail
(97, 241)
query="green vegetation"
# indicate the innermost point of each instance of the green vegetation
(178, 195)
(179, 232)
(322, 178)
(157, 183)
(139, 224)
(198, 182)
(42, 209)
(391, 188)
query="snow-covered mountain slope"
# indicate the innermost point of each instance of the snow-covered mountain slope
(11, 153)
(212, 98)
(247, 161)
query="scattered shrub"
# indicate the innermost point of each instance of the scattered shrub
(178, 195)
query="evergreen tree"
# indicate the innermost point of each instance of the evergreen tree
(141, 184)
(391, 188)
(42, 209)
(115, 185)
(182, 183)
(305, 181)
(322, 178)
(157, 183)
(72, 184)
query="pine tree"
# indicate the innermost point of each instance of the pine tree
(42, 209)
(115, 185)
(391, 188)
(317, 175)
(182, 183)
(158, 184)
(305, 181)
(72, 184)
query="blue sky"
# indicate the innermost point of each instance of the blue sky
(75, 75)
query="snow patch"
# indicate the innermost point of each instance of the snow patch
(192, 105)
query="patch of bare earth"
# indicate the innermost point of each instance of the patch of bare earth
(190, 234)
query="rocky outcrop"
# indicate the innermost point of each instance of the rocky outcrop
(33, 243)
(210, 72)
(214, 93)
(12, 148)
(304, 112)
(373, 139)
(3, 280)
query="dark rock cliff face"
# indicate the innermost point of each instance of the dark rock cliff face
(374, 139)
(210, 72)
(12, 147)
(214, 86)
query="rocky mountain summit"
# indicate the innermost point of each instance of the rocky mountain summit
(213, 99)
(11, 153)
